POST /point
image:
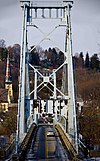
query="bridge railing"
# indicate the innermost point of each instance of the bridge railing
(23, 147)
(83, 150)
(9, 149)
(63, 121)
(6, 152)
(66, 140)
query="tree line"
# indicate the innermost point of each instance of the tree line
(51, 57)
(54, 57)
(92, 62)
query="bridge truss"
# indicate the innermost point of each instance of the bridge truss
(46, 10)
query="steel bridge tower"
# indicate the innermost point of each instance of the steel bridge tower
(30, 13)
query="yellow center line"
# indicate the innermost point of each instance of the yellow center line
(46, 145)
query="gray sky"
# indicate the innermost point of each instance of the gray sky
(85, 24)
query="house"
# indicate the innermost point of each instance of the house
(4, 100)
(8, 80)
(80, 104)
(6, 95)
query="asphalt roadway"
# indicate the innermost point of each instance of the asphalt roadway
(46, 146)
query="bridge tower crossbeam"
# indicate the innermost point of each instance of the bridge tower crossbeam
(45, 10)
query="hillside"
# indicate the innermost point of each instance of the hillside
(87, 85)
(88, 88)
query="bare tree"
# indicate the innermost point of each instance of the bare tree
(2, 43)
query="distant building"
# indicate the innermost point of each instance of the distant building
(8, 81)
(4, 100)
(80, 104)
(6, 95)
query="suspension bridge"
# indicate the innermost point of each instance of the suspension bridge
(38, 138)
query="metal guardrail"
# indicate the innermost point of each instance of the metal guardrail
(23, 147)
(67, 142)
(9, 149)
(83, 149)
(6, 152)
(63, 121)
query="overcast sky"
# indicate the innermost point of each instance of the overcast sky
(85, 24)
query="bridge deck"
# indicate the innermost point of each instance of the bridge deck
(46, 145)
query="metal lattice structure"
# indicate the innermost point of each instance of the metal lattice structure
(46, 10)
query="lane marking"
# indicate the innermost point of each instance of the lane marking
(46, 145)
